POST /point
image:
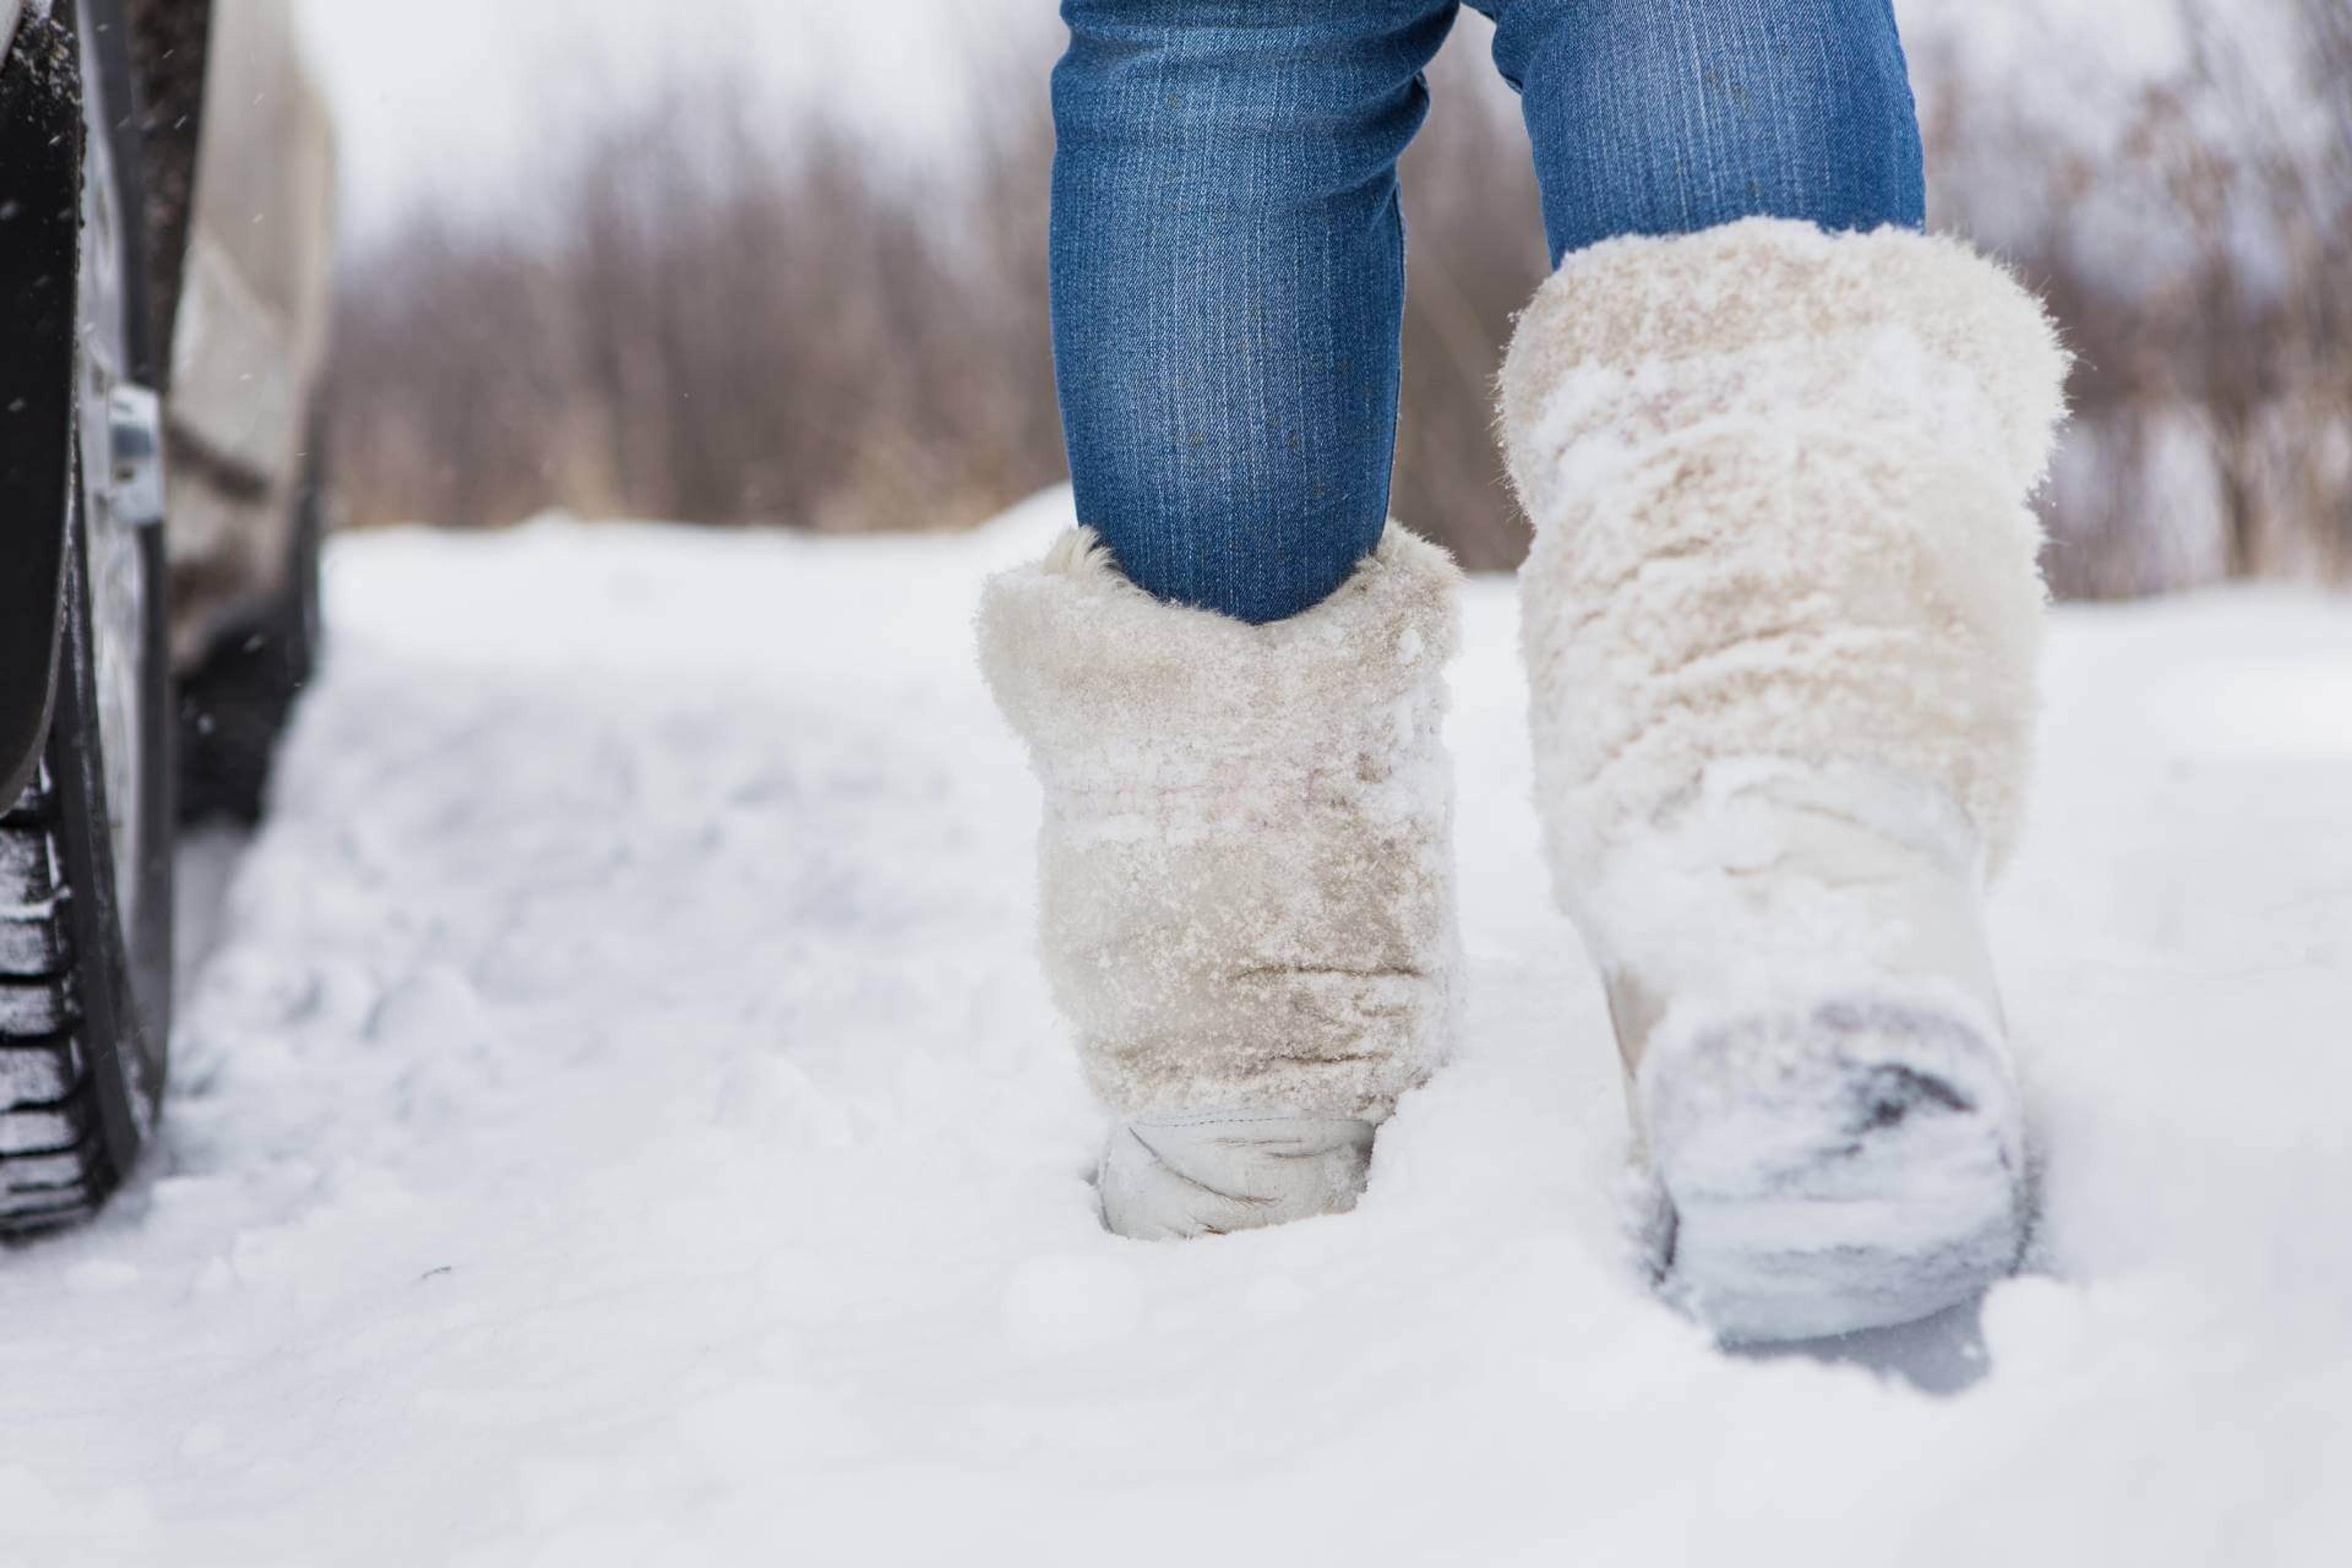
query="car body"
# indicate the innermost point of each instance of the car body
(249, 336)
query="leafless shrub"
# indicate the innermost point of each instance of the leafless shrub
(1474, 251)
(2202, 273)
(715, 321)
(712, 322)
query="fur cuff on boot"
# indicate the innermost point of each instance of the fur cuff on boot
(1246, 880)
(1778, 478)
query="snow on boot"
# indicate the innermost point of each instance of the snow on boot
(1781, 622)
(1246, 870)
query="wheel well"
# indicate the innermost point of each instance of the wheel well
(170, 45)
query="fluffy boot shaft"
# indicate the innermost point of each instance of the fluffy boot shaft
(1245, 869)
(1780, 625)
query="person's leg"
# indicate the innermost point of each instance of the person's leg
(1245, 892)
(1660, 117)
(1780, 620)
(1228, 284)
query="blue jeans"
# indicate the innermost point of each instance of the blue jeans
(1228, 255)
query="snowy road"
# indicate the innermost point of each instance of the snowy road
(619, 1123)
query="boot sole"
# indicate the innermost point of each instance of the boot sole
(1852, 1168)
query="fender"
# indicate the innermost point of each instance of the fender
(40, 253)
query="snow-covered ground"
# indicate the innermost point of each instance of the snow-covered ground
(618, 1121)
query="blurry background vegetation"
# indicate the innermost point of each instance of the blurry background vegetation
(717, 307)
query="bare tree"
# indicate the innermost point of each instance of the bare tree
(729, 317)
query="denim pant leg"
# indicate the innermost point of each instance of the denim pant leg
(1228, 284)
(1669, 116)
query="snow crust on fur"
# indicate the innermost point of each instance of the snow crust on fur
(1778, 481)
(1245, 863)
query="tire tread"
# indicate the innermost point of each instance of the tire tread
(53, 1166)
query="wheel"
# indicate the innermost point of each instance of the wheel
(234, 705)
(85, 850)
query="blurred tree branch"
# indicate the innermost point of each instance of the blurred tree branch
(729, 318)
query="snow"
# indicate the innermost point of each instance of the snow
(617, 1120)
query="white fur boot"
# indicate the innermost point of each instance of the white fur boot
(1780, 626)
(1246, 870)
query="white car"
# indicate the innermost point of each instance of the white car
(166, 184)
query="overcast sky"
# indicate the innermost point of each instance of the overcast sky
(442, 98)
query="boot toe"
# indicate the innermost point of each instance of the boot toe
(1851, 1167)
(1174, 1177)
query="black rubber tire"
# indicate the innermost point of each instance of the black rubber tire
(85, 1005)
(85, 1017)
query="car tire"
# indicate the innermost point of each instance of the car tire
(85, 850)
